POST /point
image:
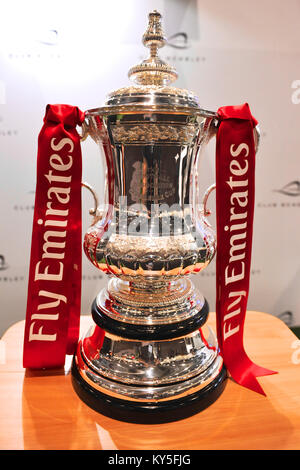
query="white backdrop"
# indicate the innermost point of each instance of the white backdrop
(228, 52)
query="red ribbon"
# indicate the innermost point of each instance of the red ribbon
(54, 289)
(235, 186)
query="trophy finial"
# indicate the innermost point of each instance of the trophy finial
(153, 70)
(153, 36)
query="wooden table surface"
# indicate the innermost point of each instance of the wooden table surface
(41, 411)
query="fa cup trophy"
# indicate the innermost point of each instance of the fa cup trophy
(149, 357)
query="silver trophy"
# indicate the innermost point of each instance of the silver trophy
(150, 357)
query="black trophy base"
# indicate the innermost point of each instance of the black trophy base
(148, 412)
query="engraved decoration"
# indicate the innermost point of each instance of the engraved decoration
(162, 133)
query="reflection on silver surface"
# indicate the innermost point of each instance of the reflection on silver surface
(169, 303)
(150, 370)
(150, 362)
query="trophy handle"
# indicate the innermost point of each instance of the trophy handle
(209, 190)
(256, 135)
(95, 211)
(84, 132)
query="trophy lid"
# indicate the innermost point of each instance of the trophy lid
(152, 78)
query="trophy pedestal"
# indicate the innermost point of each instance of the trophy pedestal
(152, 368)
(148, 412)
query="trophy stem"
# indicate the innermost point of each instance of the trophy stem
(148, 286)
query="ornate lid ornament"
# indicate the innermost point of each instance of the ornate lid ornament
(153, 70)
(152, 78)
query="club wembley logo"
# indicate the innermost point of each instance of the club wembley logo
(178, 41)
(41, 44)
(287, 317)
(291, 189)
(48, 38)
(3, 264)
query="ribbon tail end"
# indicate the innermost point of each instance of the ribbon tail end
(249, 381)
(262, 371)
